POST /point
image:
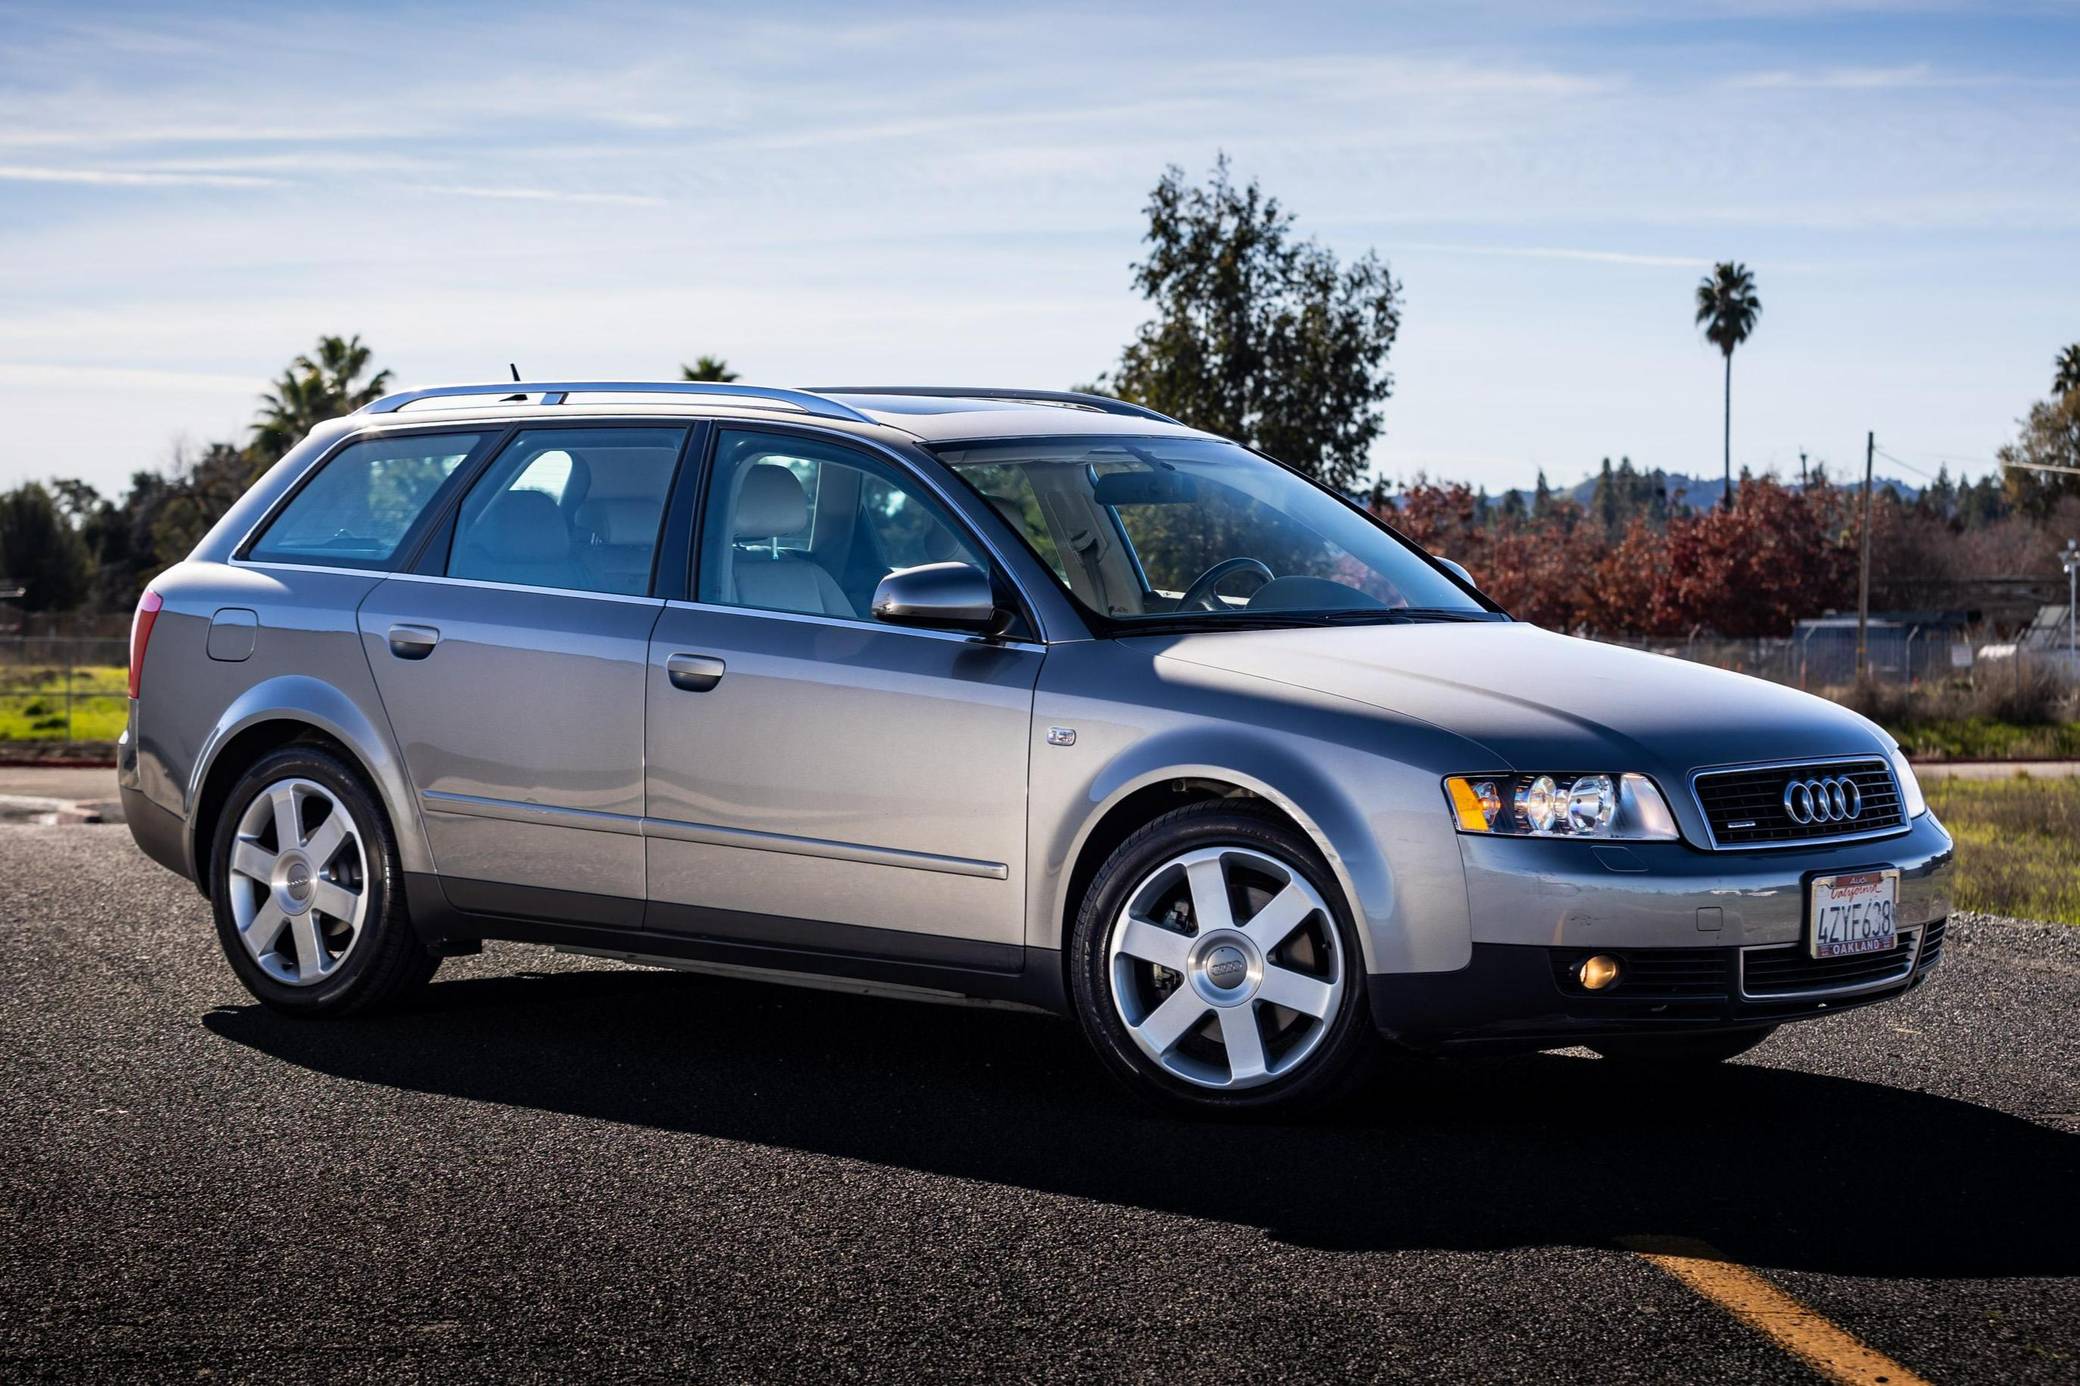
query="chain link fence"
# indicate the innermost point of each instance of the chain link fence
(63, 688)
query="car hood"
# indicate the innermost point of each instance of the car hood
(1543, 702)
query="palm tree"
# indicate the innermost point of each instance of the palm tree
(2066, 368)
(1726, 310)
(709, 368)
(315, 388)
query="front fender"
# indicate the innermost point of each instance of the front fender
(319, 705)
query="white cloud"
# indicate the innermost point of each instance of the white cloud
(537, 194)
(132, 178)
(1844, 79)
(1541, 252)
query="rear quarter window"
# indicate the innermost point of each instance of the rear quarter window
(356, 512)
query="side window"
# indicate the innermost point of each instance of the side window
(576, 508)
(796, 525)
(357, 510)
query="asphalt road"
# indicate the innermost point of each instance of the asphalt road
(553, 1168)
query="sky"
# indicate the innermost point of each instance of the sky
(191, 195)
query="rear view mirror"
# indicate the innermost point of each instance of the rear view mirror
(1144, 488)
(943, 596)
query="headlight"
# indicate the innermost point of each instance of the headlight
(1909, 787)
(1609, 807)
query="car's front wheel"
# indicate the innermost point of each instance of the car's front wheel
(1214, 965)
(307, 889)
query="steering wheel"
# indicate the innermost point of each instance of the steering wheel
(1200, 593)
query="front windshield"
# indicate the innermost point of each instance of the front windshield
(1168, 530)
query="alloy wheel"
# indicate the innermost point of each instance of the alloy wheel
(298, 881)
(1227, 967)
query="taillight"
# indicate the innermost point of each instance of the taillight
(141, 635)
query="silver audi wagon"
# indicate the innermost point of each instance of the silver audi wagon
(1006, 696)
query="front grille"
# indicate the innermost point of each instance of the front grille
(1931, 945)
(1790, 971)
(1746, 807)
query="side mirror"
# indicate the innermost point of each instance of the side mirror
(1461, 573)
(943, 596)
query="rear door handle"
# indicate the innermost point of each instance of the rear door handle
(694, 673)
(413, 642)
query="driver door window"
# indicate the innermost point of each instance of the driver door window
(802, 526)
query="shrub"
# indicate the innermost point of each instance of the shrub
(2021, 691)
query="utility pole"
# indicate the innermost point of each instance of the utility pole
(1801, 469)
(1863, 583)
(2071, 559)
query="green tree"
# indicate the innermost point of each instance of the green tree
(1727, 309)
(2065, 370)
(2050, 438)
(202, 488)
(41, 551)
(709, 368)
(1259, 335)
(314, 388)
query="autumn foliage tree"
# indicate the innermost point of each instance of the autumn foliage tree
(1779, 555)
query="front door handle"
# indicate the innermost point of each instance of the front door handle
(694, 673)
(413, 642)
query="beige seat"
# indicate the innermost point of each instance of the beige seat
(771, 505)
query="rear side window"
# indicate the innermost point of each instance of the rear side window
(573, 508)
(357, 510)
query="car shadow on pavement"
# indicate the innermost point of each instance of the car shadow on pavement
(1775, 1167)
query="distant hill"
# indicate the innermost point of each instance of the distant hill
(1699, 492)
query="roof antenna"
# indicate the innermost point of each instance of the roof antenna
(514, 399)
(514, 369)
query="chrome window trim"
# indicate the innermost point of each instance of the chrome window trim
(490, 584)
(1906, 824)
(856, 623)
(1914, 937)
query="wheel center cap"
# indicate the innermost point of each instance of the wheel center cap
(1225, 969)
(295, 883)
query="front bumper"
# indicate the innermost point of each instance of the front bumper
(1515, 998)
(1705, 940)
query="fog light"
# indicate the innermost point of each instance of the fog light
(1598, 972)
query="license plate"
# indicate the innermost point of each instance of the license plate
(1854, 913)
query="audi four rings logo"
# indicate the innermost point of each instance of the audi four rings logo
(1835, 799)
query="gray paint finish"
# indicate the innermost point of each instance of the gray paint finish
(943, 787)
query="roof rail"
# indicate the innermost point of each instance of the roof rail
(1104, 404)
(558, 391)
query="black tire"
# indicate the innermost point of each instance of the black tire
(1683, 1050)
(1339, 1059)
(387, 961)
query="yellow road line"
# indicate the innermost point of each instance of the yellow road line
(1834, 1352)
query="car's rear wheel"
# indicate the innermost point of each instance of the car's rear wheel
(307, 890)
(1713, 1048)
(1214, 965)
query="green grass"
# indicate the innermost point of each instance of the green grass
(1980, 738)
(32, 703)
(2018, 844)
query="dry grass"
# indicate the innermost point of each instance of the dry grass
(2018, 844)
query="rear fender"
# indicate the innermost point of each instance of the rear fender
(299, 698)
